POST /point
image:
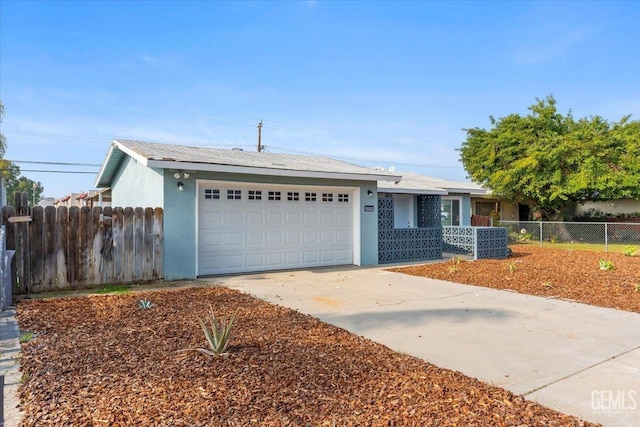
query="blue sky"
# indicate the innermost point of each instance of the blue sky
(373, 83)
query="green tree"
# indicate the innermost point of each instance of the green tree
(553, 161)
(10, 174)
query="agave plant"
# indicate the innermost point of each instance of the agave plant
(145, 304)
(218, 333)
(605, 265)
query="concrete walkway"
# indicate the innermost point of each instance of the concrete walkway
(575, 358)
(10, 365)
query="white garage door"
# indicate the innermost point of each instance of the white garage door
(256, 227)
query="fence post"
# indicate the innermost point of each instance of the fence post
(540, 233)
(606, 237)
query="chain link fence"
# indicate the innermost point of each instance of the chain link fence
(599, 236)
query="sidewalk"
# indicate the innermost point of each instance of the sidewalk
(9, 365)
(576, 358)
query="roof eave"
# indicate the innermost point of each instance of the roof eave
(100, 179)
(433, 192)
(212, 167)
(111, 162)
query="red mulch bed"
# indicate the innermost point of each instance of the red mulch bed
(567, 274)
(102, 361)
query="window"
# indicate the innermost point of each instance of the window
(293, 196)
(403, 211)
(310, 197)
(255, 195)
(210, 194)
(274, 195)
(484, 208)
(343, 198)
(234, 194)
(327, 197)
(450, 211)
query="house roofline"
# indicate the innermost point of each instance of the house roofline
(434, 192)
(252, 170)
(102, 180)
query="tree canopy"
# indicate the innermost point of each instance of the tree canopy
(553, 161)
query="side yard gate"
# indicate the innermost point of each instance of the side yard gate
(67, 248)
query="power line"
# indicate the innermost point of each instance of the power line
(50, 171)
(54, 163)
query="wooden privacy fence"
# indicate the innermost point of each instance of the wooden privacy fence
(67, 248)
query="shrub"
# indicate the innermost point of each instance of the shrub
(605, 265)
(630, 250)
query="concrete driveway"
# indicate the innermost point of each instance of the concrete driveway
(575, 358)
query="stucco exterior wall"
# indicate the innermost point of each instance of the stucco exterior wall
(180, 211)
(136, 185)
(614, 207)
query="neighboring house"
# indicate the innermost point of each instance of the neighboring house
(100, 198)
(73, 199)
(614, 208)
(230, 211)
(46, 201)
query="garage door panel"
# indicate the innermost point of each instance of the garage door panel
(230, 261)
(211, 220)
(255, 238)
(275, 260)
(343, 236)
(245, 234)
(293, 258)
(210, 238)
(310, 257)
(344, 217)
(344, 256)
(234, 239)
(310, 218)
(293, 218)
(254, 260)
(327, 218)
(293, 237)
(274, 237)
(327, 256)
(274, 218)
(310, 237)
(255, 218)
(232, 218)
(327, 236)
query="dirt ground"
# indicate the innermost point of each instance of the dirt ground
(102, 361)
(567, 274)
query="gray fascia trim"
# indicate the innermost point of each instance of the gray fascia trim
(409, 191)
(209, 167)
(104, 165)
(128, 151)
(466, 190)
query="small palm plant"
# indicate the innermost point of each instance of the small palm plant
(630, 251)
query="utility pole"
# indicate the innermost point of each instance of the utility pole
(260, 147)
